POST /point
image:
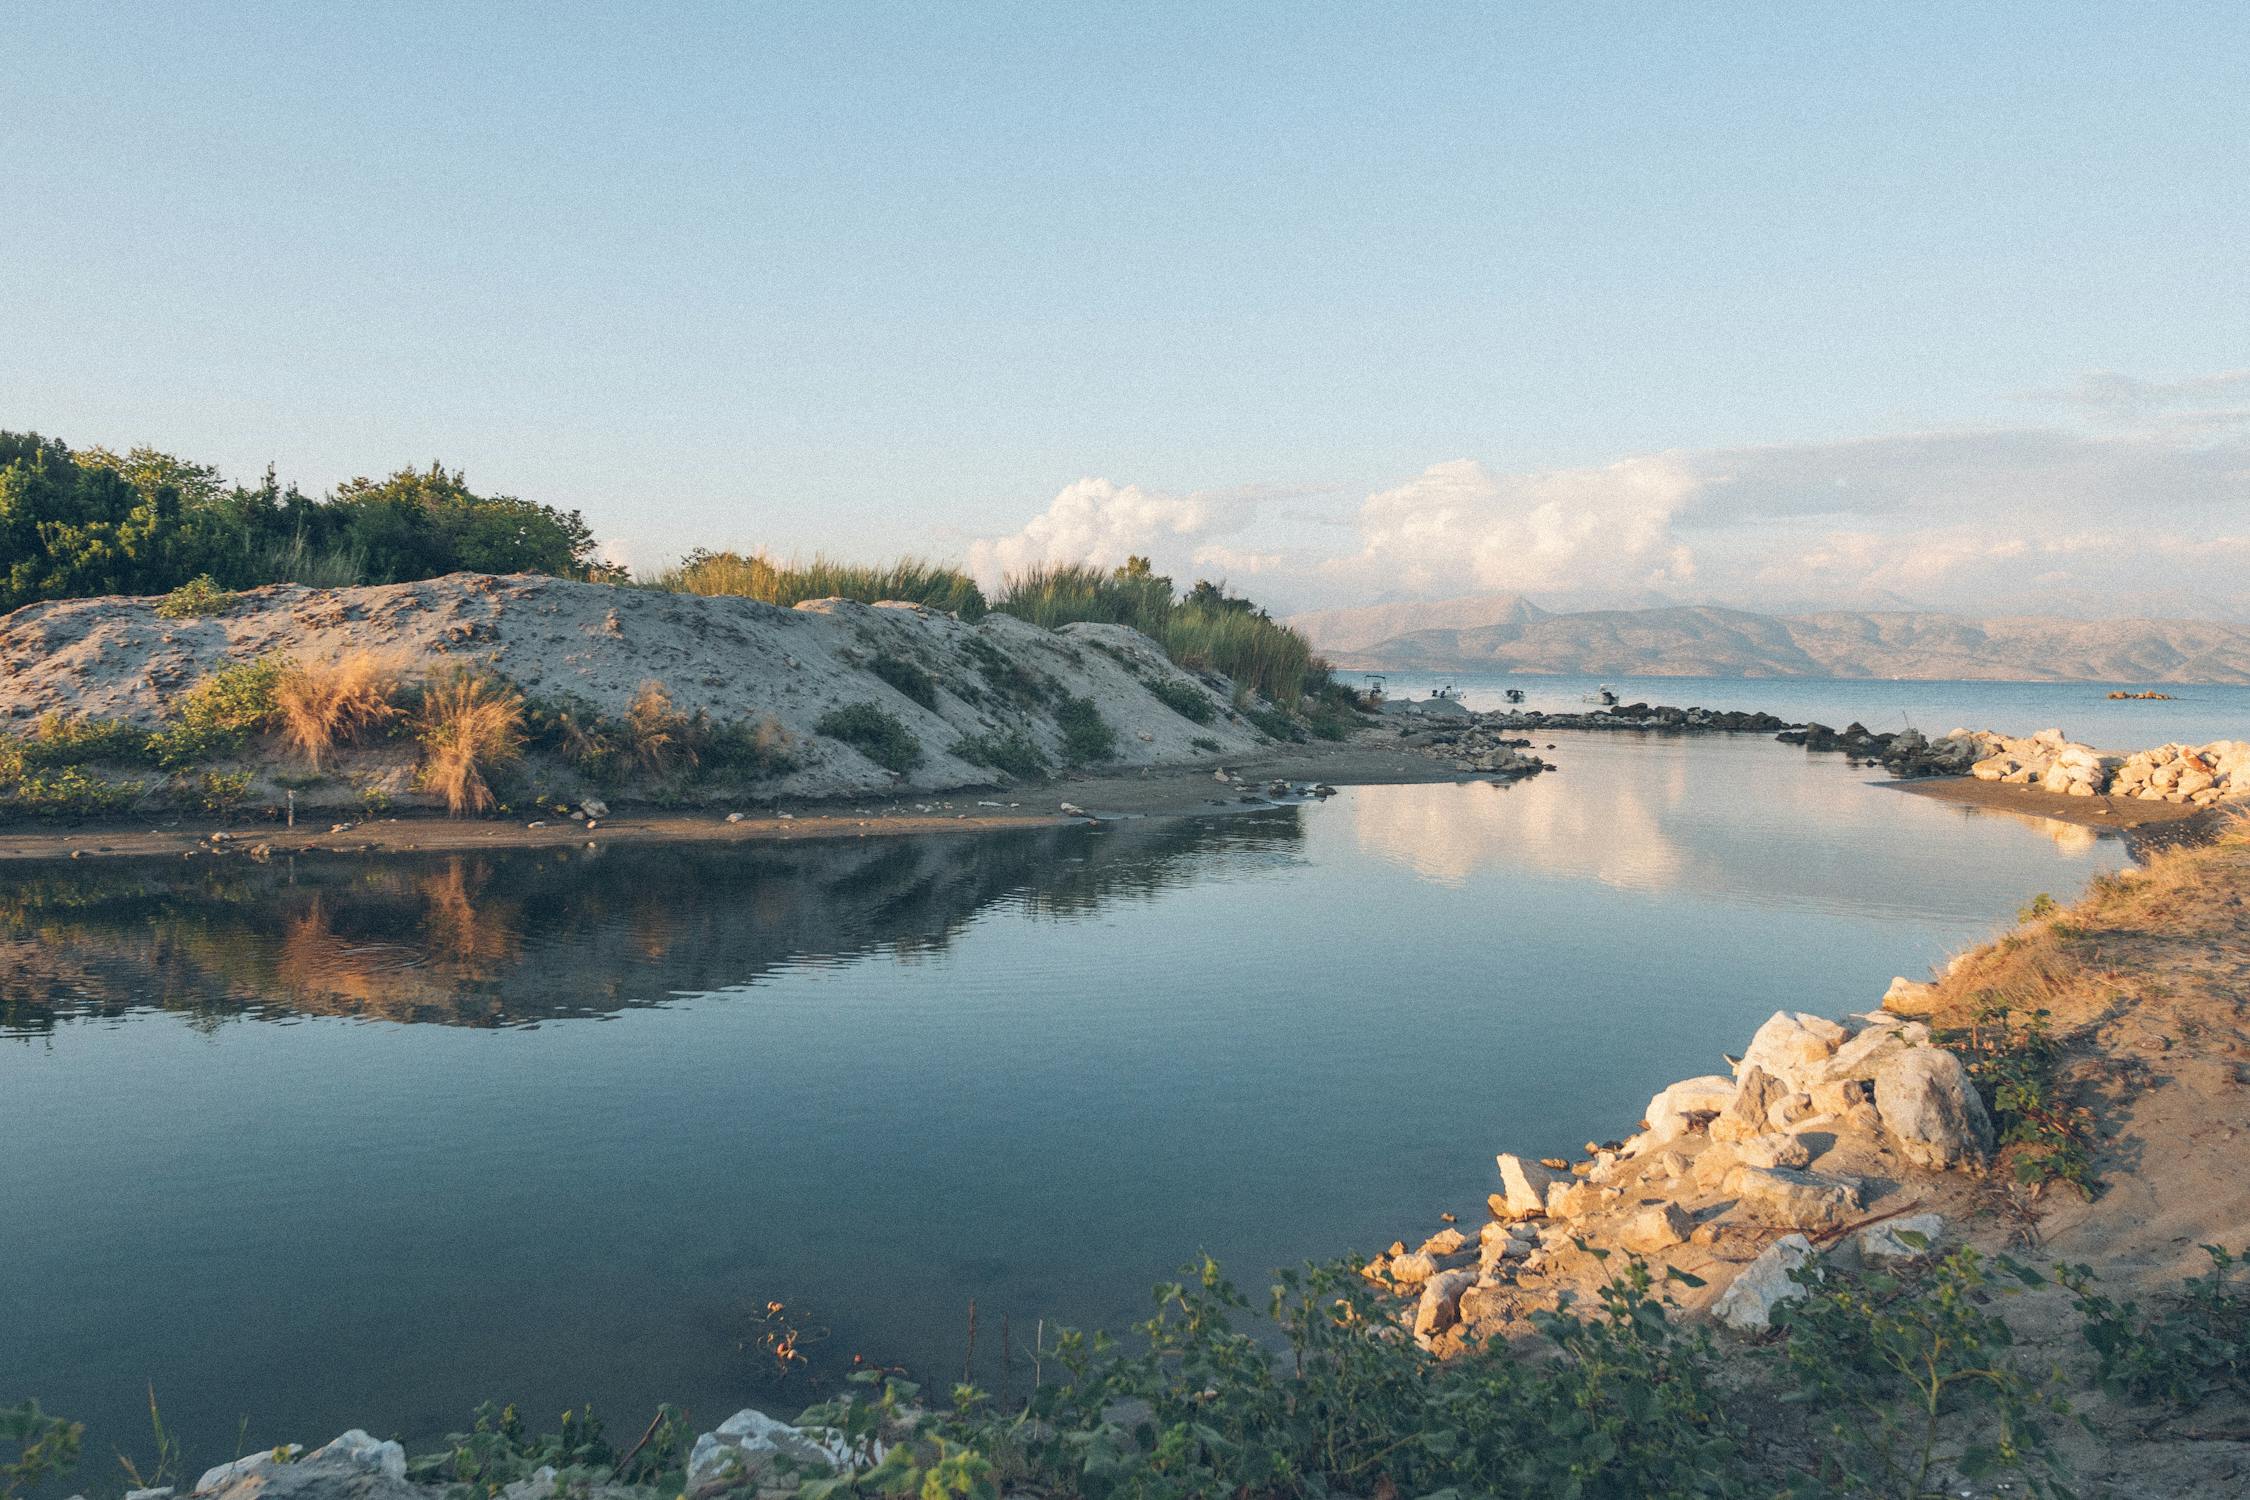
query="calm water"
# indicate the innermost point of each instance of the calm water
(363, 1141)
(2194, 715)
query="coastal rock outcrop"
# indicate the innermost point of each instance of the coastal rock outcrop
(2197, 775)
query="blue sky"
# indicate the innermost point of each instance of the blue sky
(1594, 301)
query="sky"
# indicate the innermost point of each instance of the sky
(1776, 306)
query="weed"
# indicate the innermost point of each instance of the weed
(874, 733)
(70, 740)
(1087, 736)
(1013, 753)
(218, 715)
(168, 1464)
(2041, 907)
(576, 731)
(760, 749)
(658, 736)
(2015, 1065)
(320, 706)
(198, 596)
(1272, 723)
(758, 576)
(1008, 677)
(220, 792)
(1206, 744)
(43, 1446)
(470, 725)
(497, 1452)
(906, 676)
(1184, 698)
(70, 792)
(2194, 1347)
(1885, 1364)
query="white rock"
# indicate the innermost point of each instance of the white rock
(734, 817)
(1524, 1185)
(594, 807)
(1764, 1284)
(1778, 1149)
(1440, 1307)
(1885, 1241)
(1754, 1099)
(1791, 1047)
(1794, 1199)
(1658, 1226)
(746, 1444)
(359, 1448)
(1930, 1107)
(1910, 997)
(225, 1474)
(1668, 1111)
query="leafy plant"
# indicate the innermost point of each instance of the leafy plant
(2194, 1346)
(497, 1451)
(1013, 753)
(198, 596)
(1183, 698)
(2015, 1063)
(1087, 736)
(43, 1446)
(221, 792)
(218, 715)
(906, 676)
(2040, 908)
(1206, 744)
(70, 792)
(1888, 1367)
(873, 732)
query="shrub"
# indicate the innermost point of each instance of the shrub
(1013, 753)
(320, 706)
(758, 576)
(1008, 677)
(70, 792)
(906, 676)
(1087, 736)
(2196, 1345)
(219, 714)
(760, 749)
(1206, 744)
(496, 1453)
(221, 791)
(43, 1445)
(198, 596)
(576, 731)
(659, 737)
(470, 726)
(874, 733)
(2016, 1067)
(1273, 723)
(60, 740)
(1184, 698)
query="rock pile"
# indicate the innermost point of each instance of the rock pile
(1484, 750)
(2198, 775)
(1825, 1132)
(1907, 752)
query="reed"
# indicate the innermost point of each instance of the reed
(471, 725)
(758, 576)
(319, 705)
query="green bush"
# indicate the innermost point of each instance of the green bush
(2194, 1346)
(1012, 752)
(218, 715)
(1184, 698)
(1206, 744)
(757, 576)
(906, 676)
(874, 733)
(2015, 1063)
(57, 740)
(497, 1452)
(198, 596)
(1087, 736)
(70, 793)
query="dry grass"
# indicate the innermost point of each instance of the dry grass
(471, 725)
(324, 704)
(661, 738)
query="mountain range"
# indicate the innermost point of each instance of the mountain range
(1507, 633)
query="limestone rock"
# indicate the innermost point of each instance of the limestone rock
(1791, 1047)
(1524, 1185)
(746, 1444)
(1886, 1241)
(1447, 1241)
(1795, 1199)
(1668, 1111)
(1412, 1268)
(1658, 1226)
(1910, 997)
(1776, 1149)
(1764, 1284)
(1930, 1107)
(1754, 1098)
(353, 1467)
(1440, 1306)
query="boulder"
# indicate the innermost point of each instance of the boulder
(353, 1467)
(1440, 1307)
(1668, 1112)
(1754, 1100)
(1654, 1227)
(1764, 1284)
(1792, 1047)
(1412, 1268)
(1447, 1241)
(1793, 1198)
(1930, 1107)
(1910, 997)
(745, 1445)
(1523, 1186)
(1887, 1240)
(1777, 1149)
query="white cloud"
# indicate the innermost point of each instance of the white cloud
(1092, 521)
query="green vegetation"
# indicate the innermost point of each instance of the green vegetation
(1013, 753)
(757, 576)
(1087, 736)
(42, 1445)
(1207, 630)
(906, 676)
(2015, 1064)
(497, 1452)
(2195, 1345)
(197, 597)
(1185, 699)
(1206, 744)
(218, 715)
(76, 524)
(874, 733)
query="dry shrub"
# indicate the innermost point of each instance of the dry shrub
(329, 703)
(471, 724)
(661, 737)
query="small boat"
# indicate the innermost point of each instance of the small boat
(1449, 693)
(1605, 695)
(1513, 695)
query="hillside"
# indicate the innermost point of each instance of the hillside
(676, 698)
(1705, 641)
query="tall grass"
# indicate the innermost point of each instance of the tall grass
(1207, 631)
(758, 576)
(471, 725)
(320, 705)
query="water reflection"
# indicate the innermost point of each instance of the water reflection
(512, 938)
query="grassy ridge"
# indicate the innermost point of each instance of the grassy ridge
(757, 576)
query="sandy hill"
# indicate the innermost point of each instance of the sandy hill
(1706, 641)
(737, 659)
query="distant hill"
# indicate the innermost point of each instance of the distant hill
(1506, 633)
